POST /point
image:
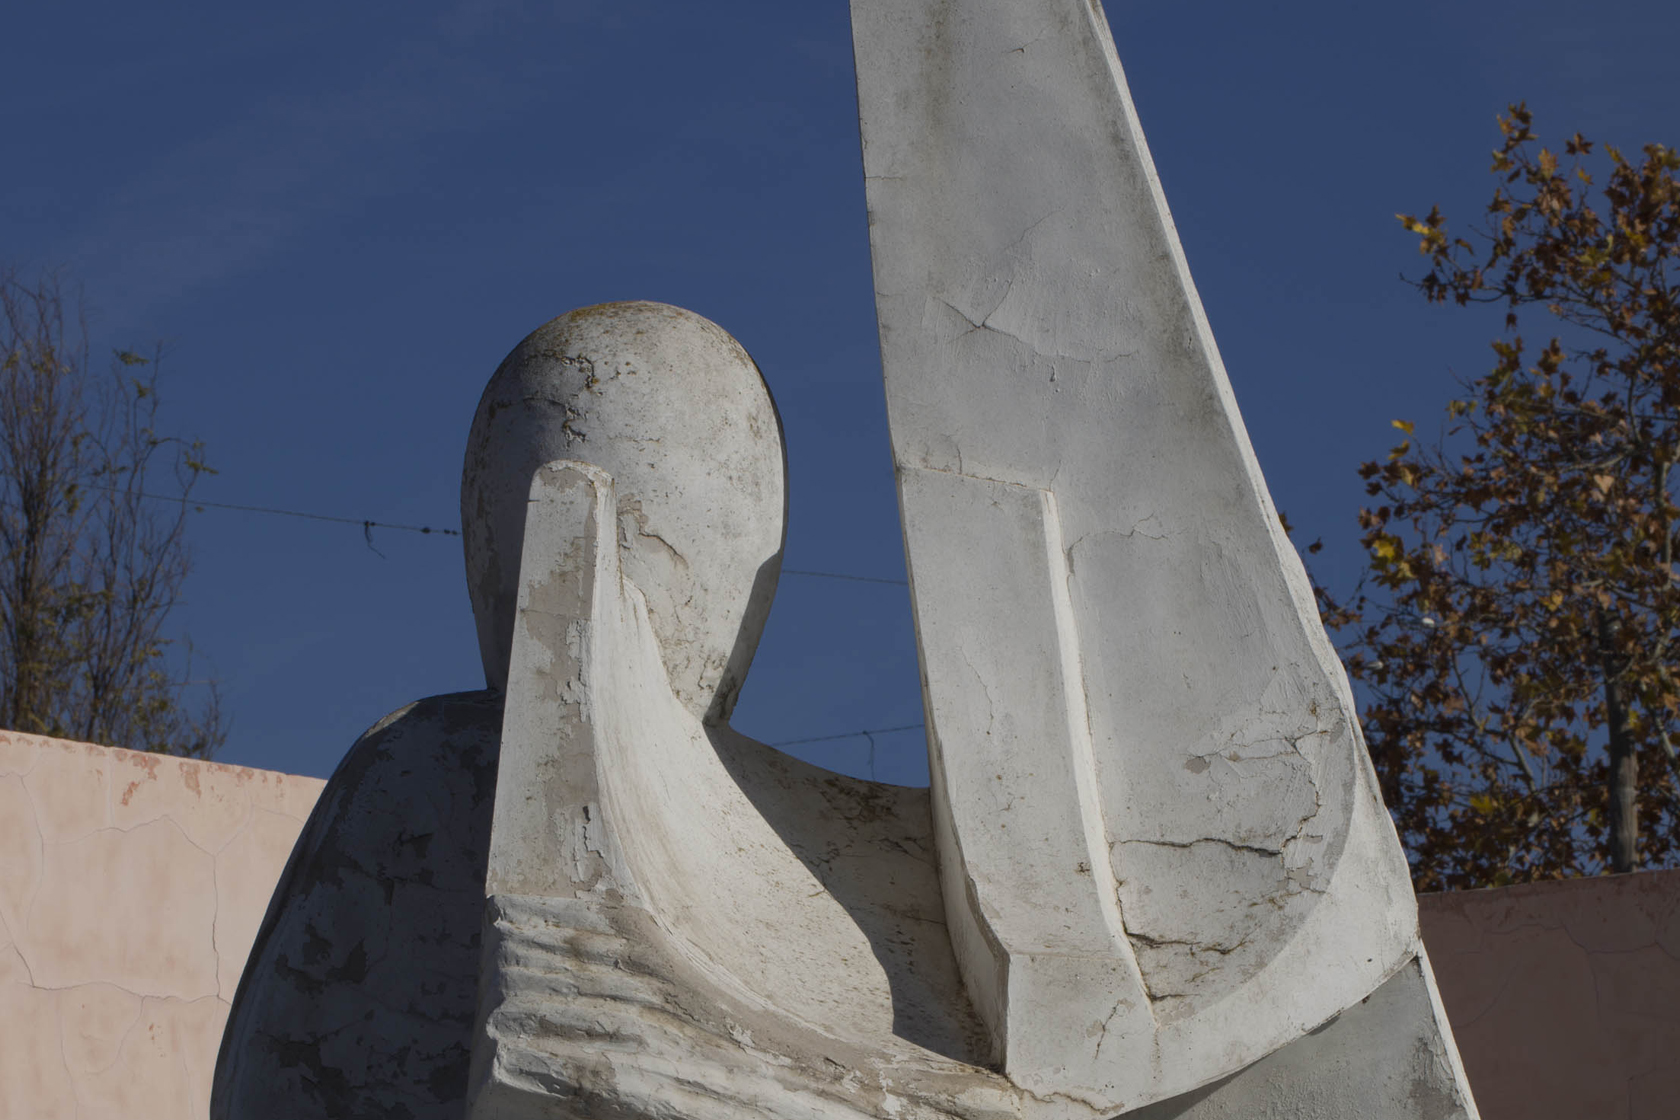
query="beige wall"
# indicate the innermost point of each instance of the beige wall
(131, 886)
(1564, 997)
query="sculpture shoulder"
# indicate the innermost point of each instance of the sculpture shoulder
(436, 753)
(454, 734)
(367, 958)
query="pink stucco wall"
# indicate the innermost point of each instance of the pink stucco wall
(131, 886)
(1564, 997)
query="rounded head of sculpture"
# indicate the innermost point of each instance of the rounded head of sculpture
(675, 410)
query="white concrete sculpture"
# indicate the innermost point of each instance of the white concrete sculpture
(1153, 876)
(1162, 851)
(683, 923)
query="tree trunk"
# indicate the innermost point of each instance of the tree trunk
(1623, 817)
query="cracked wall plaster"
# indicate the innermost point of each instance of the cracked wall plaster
(1564, 997)
(130, 885)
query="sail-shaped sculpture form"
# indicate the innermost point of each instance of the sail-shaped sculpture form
(1162, 850)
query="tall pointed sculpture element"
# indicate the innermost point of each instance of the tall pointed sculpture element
(1155, 810)
(1162, 851)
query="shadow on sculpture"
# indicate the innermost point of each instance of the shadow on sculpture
(764, 898)
(798, 800)
(1153, 875)
(360, 994)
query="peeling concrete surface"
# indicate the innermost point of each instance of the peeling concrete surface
(131, 886)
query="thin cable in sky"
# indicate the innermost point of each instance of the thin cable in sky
(839, 575)
(367, 526)
(363, 523)
(850, 735)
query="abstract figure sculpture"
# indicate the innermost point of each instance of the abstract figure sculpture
(1153, 876)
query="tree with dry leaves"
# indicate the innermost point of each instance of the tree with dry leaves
(1516, 632)
(91, 565)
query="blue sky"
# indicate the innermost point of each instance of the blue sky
(339, 217)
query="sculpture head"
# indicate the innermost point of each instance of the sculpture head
(675, 410)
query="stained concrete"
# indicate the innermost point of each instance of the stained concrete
(359, 994)
(680, 919)
(596, 385)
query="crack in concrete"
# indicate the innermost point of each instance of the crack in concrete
(960, 472)
(128, 1031)
(17, 950)
(991, 709)
(985, 324)
(1102, 1038)
(1186, 845)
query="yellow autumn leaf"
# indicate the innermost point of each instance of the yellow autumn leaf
(1403, 425)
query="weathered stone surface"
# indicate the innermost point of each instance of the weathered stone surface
(683, 921)
(1384, 1056)
(596, 385)
(359, 993)
(361, 990)
(1153, 854)
(1163, 853)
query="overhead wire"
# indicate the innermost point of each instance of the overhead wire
(850, 735)
(367, 526)
(840, 575)
(869, 735)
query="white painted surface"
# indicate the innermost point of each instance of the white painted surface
(1120, 648)
(682, 922)
(783, 924)
(694, 517)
